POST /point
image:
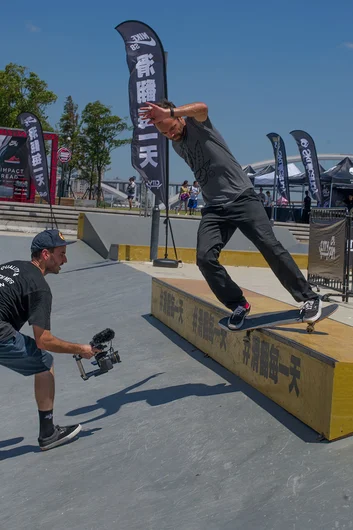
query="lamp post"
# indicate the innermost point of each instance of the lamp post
(62, 190)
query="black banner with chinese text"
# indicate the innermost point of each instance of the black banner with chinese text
(37, 158)
(146, 61)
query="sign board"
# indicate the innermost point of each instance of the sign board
(64, 155)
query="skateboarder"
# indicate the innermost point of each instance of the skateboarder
(231, 203)
(26, 296)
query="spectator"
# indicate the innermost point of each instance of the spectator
(268, 200)
(194, 192)
(262, 196)
(349, 202)
(306, 208)
(131, 190)
(184, 195)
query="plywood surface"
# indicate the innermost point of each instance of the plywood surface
(330, 338)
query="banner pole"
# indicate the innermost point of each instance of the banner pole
(166, 262)
(156, 214)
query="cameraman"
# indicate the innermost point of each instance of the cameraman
(26, 296)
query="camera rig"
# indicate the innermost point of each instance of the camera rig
(104, 359)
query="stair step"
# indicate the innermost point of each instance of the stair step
(36, 215)
(37, 226)
(35, 220)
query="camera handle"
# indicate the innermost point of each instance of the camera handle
(80, 367)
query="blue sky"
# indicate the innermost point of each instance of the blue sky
(260, 66)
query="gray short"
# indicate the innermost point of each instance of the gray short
(21, 354)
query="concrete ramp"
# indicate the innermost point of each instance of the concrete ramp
(104, 233)
(113, 191)
(19, 247)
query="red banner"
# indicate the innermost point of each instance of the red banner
(16, 184)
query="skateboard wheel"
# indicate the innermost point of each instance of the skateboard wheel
(310, 328)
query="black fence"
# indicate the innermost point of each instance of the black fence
(330, 249)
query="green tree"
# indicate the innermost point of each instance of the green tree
(69, 130)
(86, 164)
(101, 128)
(23, 91)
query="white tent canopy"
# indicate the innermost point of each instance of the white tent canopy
(268, 179)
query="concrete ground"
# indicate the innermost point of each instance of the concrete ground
(170, 439)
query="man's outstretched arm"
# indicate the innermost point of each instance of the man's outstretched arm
(46, 341)
(156, 114)
(199, 111)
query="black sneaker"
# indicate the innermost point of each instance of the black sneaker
(311, 310)
(237, 319)
(60, 436)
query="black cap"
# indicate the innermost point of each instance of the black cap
(49, 239)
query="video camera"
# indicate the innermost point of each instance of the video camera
(105, 358)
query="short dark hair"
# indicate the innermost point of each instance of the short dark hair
(36, 254)
(166, 104)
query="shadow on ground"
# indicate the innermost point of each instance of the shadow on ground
(153, 397)
(291, 423)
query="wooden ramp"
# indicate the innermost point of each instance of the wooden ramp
(309, 375)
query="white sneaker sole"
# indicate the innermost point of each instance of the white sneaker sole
(63, 440)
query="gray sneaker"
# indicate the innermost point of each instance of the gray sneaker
(60, 436)
(311, 310)
(236, 320)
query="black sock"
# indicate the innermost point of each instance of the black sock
(46, 425)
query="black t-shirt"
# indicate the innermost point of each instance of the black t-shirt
(307, 203)
(24, 296)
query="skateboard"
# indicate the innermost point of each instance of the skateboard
(278, 318)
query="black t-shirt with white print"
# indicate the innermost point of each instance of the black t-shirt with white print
(24, 296)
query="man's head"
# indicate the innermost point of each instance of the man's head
(48, 251)
(172, 128)
(307, 193)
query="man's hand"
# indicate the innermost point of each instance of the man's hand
(88, 351)
(154, 113)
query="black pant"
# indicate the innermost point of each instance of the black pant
(217, 226)
(305, 216)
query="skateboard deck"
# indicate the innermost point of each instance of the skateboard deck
(277, 318)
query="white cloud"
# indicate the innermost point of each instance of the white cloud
(348, 45)
(32, 28)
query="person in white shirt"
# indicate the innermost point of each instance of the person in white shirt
(194, 192)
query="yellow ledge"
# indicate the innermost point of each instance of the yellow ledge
(309, 375)
(240, 258)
